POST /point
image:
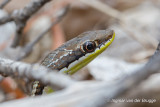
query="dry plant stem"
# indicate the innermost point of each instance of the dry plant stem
(96, 94)
(5, 19)
(34, 72)
(4, 3)
(21, 16)
(28, 48)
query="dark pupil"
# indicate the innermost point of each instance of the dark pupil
(90, 46)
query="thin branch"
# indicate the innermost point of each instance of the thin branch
(4, 3)
(21, 16)
(5, 19)
(28, 48)
(34, 72)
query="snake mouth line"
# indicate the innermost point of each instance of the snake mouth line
(104, 43)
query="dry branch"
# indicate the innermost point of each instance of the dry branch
(21, 16)
(92, 94)
(34, 72)
(81, 94)
(5, 19)
(120, 87)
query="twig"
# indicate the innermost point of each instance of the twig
(28, 48)
(21, 16)
(4, 3)
(70, 97)
(5, 19)
(34, 72)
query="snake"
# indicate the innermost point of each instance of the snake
(76, 53)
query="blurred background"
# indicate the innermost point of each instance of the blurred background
(135, 22)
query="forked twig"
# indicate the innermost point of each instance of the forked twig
(21, 16)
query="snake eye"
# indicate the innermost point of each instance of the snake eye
(89, 46)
